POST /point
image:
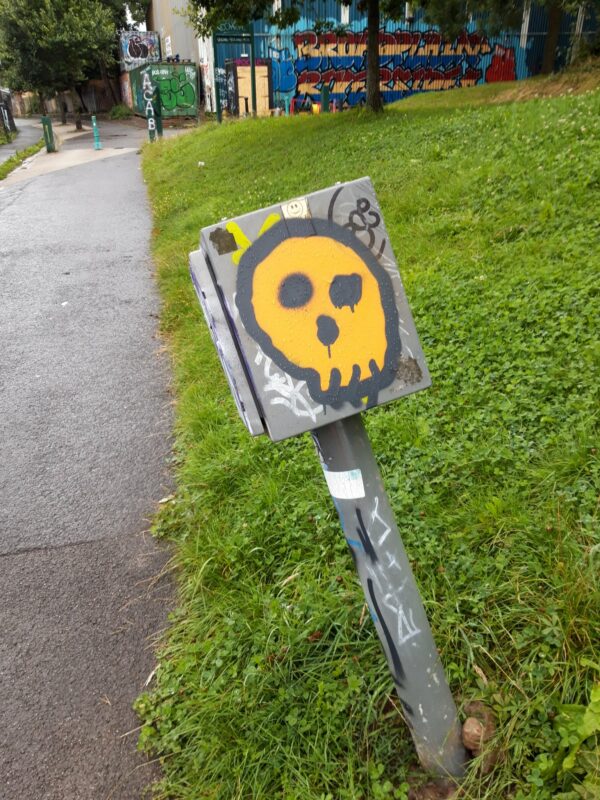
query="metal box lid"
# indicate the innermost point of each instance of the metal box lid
(307, 310)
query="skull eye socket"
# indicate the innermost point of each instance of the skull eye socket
(295, 290)
(346, 290)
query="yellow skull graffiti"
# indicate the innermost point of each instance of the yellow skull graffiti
(320, 305)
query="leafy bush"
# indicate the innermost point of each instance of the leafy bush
(120, 111)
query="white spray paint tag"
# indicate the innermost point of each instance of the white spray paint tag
(346, 485)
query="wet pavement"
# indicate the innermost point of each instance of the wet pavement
(85, 421)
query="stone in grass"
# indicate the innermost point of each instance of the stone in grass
(478, 729)
(473, 734)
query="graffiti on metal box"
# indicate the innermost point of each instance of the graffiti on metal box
(311, 289)
(322, 308)
(177, 84)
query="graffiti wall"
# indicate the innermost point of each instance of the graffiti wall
(410, 61)
(413, 56)
(178, 84)
(139, 47)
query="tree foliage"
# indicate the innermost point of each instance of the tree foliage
(49, 46)
(451, 16)
(207, 15)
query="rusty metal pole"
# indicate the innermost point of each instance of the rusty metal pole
(355, 483)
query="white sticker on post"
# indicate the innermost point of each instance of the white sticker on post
(345, 485)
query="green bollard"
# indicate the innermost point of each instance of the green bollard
(97, 143)
(48, 135)
(325, 100)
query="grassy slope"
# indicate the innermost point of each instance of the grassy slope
(493, 473)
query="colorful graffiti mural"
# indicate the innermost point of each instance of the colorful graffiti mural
(178, 84)
(410, 61)
(413, 56)
(139, 47)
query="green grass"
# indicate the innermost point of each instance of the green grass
(19, 157)
(493, 473)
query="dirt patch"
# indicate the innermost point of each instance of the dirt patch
(584, 77)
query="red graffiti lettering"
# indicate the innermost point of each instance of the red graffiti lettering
(436, 63)
(503, 66)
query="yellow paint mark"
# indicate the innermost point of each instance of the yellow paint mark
(242, 241)
(268, 223)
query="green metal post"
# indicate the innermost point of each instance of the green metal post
(216, 76)
(149, 103)
(325, 100)
(48, 134)
(252, 70)
(96, 131)
(156, 102)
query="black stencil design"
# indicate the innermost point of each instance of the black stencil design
(363, 219)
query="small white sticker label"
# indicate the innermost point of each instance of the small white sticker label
(296, 209)
(345, 485)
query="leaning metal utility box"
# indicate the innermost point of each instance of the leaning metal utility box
(308, 314)
(307, 310)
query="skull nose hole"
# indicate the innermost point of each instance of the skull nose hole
(327, 331)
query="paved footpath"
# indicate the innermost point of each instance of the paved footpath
(85, 420)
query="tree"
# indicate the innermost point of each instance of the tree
(48, 46)
(451, 16)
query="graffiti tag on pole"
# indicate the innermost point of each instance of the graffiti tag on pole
(148, 91)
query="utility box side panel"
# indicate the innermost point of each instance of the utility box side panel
(315, 302)
(224, 343)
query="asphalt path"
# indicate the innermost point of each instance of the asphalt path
(85, 420)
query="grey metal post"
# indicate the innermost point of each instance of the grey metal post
(253, 71)
(392, 595)
(216, 77)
